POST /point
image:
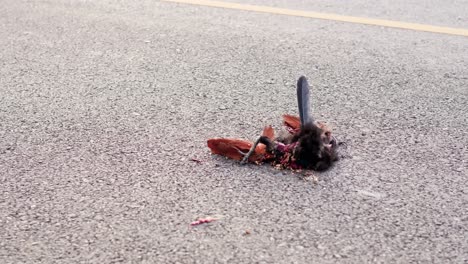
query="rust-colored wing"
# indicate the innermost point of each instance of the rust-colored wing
(292, 123)
(269, 132)
(232, 147)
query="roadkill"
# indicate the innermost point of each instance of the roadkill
(303, 144)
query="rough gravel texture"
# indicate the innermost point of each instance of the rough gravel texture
(103, 104)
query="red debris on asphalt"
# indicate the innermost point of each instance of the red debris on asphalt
(203, 221)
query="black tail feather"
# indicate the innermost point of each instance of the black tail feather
(303, 101)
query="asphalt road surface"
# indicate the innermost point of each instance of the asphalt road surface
(103, 104)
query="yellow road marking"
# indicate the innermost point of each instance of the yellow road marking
(327, 16)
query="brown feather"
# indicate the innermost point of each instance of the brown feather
(292, 121)
(230, 147)
(269, 132)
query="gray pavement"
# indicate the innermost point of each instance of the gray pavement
(103, 104)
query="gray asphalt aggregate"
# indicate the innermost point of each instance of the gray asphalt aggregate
(104, 104)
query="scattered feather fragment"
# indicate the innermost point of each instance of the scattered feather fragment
(371, 194)
(196, 160)
(203, 221)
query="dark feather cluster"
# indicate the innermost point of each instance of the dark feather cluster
(312, 152)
